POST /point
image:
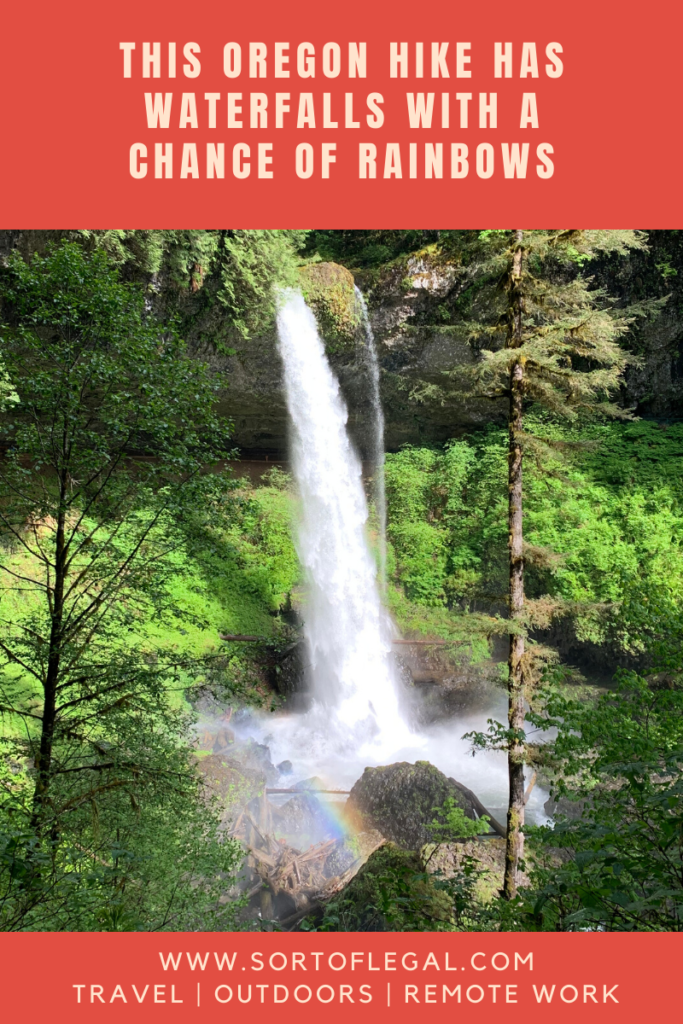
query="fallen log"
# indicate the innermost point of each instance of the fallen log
(430, 643)
(262, 856)
(254, 889)
(242, 638)
(317, 851)
(481, 810)
(299, 792)
(247, 638)
(529, 788)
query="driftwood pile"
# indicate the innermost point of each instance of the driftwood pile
(285, 883)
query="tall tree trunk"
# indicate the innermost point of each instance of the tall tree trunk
(43, 761)
(516, 747)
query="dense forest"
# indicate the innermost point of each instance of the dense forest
(153, 598)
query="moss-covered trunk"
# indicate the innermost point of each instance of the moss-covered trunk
(515, 818)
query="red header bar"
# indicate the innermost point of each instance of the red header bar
(601, 81)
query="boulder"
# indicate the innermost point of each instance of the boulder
(564, 808)
(484, 860)
(315, 782)
(304, 819)
(302, 822)
(399, 800)
(352, 851)
(256, 757)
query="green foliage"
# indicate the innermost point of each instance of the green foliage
(391, 892)
(238, 269)
(619, 762)
(665, 269)
(366, 249)
(252, 263)
(452, 824)
(424, 501)
(329, 291)
(144, 852)
(105, 448)
(138, 250)
(397, 890)
(232, 568)
(8, 395)
(603, 525)
(247, 558)
(105, 452)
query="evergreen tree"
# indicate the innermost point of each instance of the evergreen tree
(547, 338)
(107, 426)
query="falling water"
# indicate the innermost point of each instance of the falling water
(377, 451)
(356, 718)
(346, 629)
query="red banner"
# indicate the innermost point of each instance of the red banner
(368, 115)
(402, 977)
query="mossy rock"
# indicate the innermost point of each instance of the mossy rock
(487, 857)
(329, 291)
(391, 893)
(399, 800)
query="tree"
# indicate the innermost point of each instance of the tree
(234, 268)
(105, 446)
(553, 341)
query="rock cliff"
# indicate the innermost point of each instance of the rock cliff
(412, 304)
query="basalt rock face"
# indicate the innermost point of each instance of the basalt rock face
(418, 337)
(654, 386)
(289, 674)
(419, 334)
(417, 345)
(399, 800)
(411, 355)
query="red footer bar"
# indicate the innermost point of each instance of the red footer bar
(333, 977)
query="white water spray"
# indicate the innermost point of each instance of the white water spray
(377, 448)
(346, 629)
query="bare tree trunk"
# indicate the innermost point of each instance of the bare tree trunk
(516, 747)
(43, 761)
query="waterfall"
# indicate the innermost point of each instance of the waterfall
(355, 719)
(377, 447)
(346, 629)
